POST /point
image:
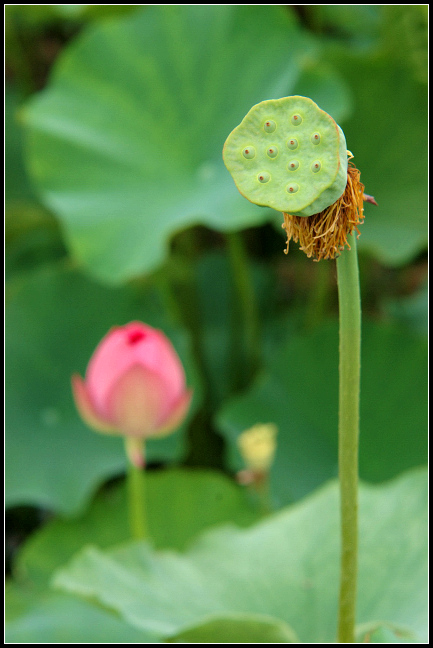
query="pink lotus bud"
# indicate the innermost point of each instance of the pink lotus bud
(134, 385)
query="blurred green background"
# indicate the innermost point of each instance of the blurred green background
(119, 207)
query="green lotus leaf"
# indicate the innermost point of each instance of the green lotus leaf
(286, 567)
(124, 144)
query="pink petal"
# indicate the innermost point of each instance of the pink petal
(177, 414)
(85, 406)
(108, 362)
(157, 353)
(137, 401)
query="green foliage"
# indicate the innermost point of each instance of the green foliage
(385, 633)
(108, 152)
(238, 628)
(59, 618)
(146, 104)
(386, 95)
(285, 567)
(119, 208)
(298, 391)
(180, 504)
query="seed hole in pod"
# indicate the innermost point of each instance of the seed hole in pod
(292, 188)
(269, 126)
(249, 152)
(316, 166)
(296, 120)
(292, 144)
(263, 177)
(293, 165)
(272, 151)
(315, 138)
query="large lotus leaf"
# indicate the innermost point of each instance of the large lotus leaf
(53, 324)
(55, 617)
(125, 144)
(286, 567)
(298, 391)
(179, 504)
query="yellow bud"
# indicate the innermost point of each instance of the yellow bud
(257, 446)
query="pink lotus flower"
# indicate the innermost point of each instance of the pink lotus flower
(134, 385)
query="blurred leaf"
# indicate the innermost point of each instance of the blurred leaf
(405, 37)
(126, 143)
(55, 617)
(286, 567)
(323, 84)
(37, 15)
(32, 235)
(358, 26)
(298, 391)
(385, 633)
(238, 628)
(53, 325)
(221, 319)
(17, 185)
(33, 239)
(413, 311)
(91, 12)
(179, 504)
(387, 134)
(43, 15)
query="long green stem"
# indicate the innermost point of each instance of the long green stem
(348, 433)
(136, 489)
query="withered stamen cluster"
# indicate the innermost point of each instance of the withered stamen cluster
(324, 235)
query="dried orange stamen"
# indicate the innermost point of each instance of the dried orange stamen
(324, 235)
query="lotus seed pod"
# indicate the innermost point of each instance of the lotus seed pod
(299, 164)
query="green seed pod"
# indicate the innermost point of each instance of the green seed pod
(274, 129)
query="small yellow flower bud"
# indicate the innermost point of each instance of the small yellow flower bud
(257, 446)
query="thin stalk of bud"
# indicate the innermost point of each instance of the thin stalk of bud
(135, 483)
